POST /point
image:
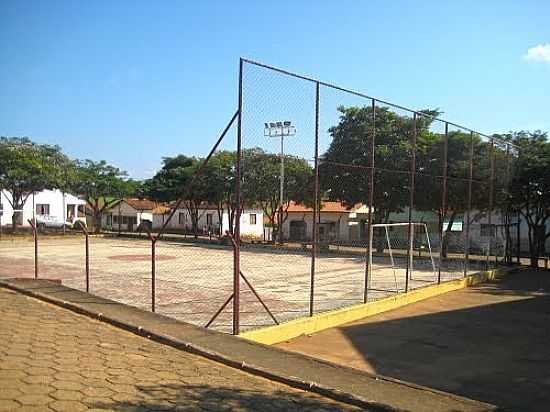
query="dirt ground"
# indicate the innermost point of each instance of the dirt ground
(490, 343)
(193, 280)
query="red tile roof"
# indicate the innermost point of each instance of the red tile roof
(141, 204)
(326, 206)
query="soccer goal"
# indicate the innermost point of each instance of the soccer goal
(405, 249)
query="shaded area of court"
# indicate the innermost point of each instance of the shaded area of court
(193, 280)
(488, 343)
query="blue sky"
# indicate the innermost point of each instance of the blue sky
(132, 81)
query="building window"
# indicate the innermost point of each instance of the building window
(209, 219)
(42, 209)
(253, 218)
(488, 230)
(181, 218)
(109, 220)
(71, 212)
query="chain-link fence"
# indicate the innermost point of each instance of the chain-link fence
(366, 198)
(328, 198)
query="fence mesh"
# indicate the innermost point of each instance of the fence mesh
(344, 199)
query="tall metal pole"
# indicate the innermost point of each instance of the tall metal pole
(491, 201)
(518, 233)
(442, 229)
(469, 205)
(64, 212)
(153, 274)
(237, 231)
(119, 216)
(281, 188)
(368, 264)
(315, 227)
(87, 262)
(411, 206)
(35, 230)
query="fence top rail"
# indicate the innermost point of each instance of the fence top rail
(359, 94)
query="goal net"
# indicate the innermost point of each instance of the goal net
(398, 255)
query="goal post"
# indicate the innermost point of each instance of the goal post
(395, 241)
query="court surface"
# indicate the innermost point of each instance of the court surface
(193, 280)
(489, 343)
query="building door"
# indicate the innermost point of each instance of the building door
(298, 229)
(71, 213)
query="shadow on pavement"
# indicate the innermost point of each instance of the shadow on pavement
(496, 349)
(219, 398)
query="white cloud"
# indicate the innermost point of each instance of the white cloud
(538, 54)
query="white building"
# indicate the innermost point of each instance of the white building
(209, 221)
(53, 203)
(129, 213)
(336, 222)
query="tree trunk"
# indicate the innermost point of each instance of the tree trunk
(14, 222)
(380, 241)
(445, 238)
(18, 203)
(97, 221)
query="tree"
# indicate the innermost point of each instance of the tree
(429, 162)
(345, 165)
(101, 185)
(27, 167)
(261, 183)
(172, 182)
(220, 177)
(529, 192)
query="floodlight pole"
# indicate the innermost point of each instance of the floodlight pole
(282, 188)
(277, 129)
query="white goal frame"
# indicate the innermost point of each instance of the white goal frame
(410, 248)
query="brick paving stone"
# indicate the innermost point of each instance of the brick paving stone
(55, 360)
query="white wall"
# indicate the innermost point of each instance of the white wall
(184, 222)
(341, 220)
(247, 228)
(53, 198)
(109, 218)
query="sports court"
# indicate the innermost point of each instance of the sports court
(193, 280)
(488, 343)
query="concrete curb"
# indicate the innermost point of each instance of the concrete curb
(308, 325)
(47, 290)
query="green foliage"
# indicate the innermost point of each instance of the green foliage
(27, 167)
(345, 166)
(530, 187)
(261, 182)
(101, 185)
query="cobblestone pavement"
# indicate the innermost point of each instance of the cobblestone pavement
(52, 359)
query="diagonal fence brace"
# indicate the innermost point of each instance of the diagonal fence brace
(243, 277)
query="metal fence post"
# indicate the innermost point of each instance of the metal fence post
(87, 263)
(368, 264)
(35, 236)
(315, 227)
(469, 205)
(442, 229)
(237, 231)
(492, 232)
(411, 206)
(87, 251)
(153, 274)
(508, 247)
(518, 233)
